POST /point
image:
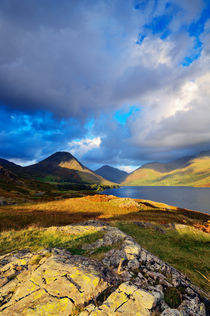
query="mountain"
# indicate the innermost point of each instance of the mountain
(64, 167)
(8, 176)
(15, 188)
(112, 174)
(169, 166)
(11, 166)
(188, 171)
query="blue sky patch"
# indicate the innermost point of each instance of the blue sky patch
(121, 115)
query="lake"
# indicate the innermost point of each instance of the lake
(197, 199)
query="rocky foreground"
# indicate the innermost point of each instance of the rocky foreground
(126, 280)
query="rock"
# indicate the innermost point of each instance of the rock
(114, 257)
(192, 307)
(126, 300)
(129, 280)
(60, 282)
(143, 256)
(144, 298)
(163, 305)
(158, 295)
(133, 264)
(127, 288)
(132, 250)
(171, 312)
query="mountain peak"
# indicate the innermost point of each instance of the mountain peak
(59, 156)
(111, 173)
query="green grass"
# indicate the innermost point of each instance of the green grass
(36, 238)
(100, 252)
(172, 297)
(188, 250)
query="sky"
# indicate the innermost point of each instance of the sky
(113, 82)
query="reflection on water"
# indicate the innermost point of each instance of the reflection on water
(186, 197)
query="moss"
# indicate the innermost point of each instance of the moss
(35, 259)
(172, 297)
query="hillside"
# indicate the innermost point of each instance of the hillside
(11, 166)
(64, 167)
(58, 176)
(17, 189)
(186, 172)
(112, 174)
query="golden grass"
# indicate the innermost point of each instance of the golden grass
(68, 211)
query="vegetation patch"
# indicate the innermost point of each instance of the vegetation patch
(183, 248)
(74, 210)
(37, 238)
(172, 297)
(100, 252)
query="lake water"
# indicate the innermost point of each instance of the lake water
(186, 197)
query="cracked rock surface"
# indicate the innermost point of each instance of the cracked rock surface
(128, 280)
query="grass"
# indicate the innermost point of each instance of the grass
(68, 211)
(197, 174)
(35, 238)
(188, 249)
(100, 252)
(172, 297)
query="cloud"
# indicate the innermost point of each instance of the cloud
(128, 168)
(32, 137)
(67, 57)
(81, 147)
(62, 65)
(61, 57)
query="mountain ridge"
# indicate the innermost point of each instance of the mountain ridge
(111, 173)
(187, 171)
(58, 167)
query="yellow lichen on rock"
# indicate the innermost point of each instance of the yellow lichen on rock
(58, 307)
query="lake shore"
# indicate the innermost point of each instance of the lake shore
(197, 199)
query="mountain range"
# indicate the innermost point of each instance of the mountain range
(187, 171)
(62, 167)
(59, 167)
(47, 179)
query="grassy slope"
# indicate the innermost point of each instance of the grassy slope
(31, 190)
(22, 226)
(185, 249)
(197, 173)
(35, 238)
(63, 212)
(62, 166)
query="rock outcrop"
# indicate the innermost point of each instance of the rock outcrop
(126, 280)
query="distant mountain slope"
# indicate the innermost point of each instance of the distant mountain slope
(11, 166)
(14, 188)
(8, 176)
(169, 166)
(186, 172)
(112, 174)
(62, 166)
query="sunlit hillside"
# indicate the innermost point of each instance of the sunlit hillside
(196, 173)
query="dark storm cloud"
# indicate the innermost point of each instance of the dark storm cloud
(63, 63)
(31, 137)
(59, 57)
